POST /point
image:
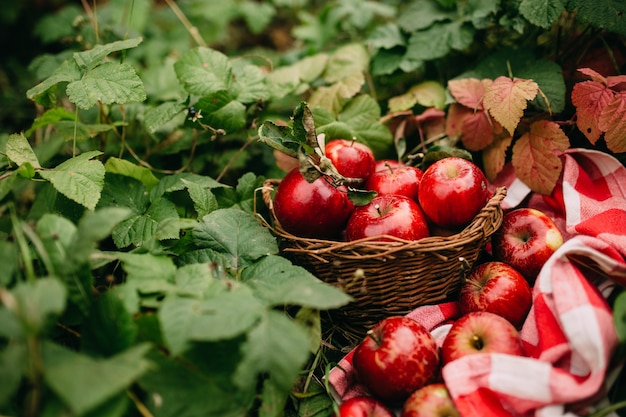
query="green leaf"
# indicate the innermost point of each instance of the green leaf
(87, 60)
(84, 383)
(619, 317)
(67, 72)
(332, 97)
(74, 130)
(386, 36)
(426, 94)
(276, 345)
(609, 15)
(346, 61)
(243, 195)
(36, 302)
(279, 137)
(221, 111)
(13, 360)
(278, 282)
(359, 119)
(158, 116)
(250, 83)
(204, 71)
(235, 233)
(223, 317)
(177, 182)
(8, 259)
(437, 41)
(542, 13)
(421, 14)
(56, 233)
(108, 83)
(19, 151)
(140, 229)
(128, 169)
(51, 116)
(204, 201)
(147, 267)
(80, 179)
(109, 328)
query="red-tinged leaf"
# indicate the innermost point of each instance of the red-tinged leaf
(594, 75)
(536, 156)
(614, 80)
(469, 91)
(590, 99)
(477, 131)
(507, 99)
(432, 122)
(454, 122)
(613, 122)
(494, 157)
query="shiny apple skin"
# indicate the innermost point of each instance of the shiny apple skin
(314, 210)
(452, 191)
(362, 406)
(498, 288)
(397, 357)
(400, 179)
(389, 214)
(525, 240)
(432, 400)
(481, 332)
(351, 158)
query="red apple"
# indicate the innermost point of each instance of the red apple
(481, 332)
(525, 240)
(363, 406)
(452, 191)
(397, 357)
(498, 288)
(386, 164)
(388, 214)
(317, 209)
(351, 158)
(432, 400)
(399, 179)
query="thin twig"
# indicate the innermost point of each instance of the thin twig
(193, 31)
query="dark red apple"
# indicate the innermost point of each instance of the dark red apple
(386, 164)
(315, 210)
(481, 332)
(397, 357)
(388, 214)
(363, 406)
(452, 191)
(432, 400)
(498, 288)
(525, 240)
(351, 158)
(401, 179)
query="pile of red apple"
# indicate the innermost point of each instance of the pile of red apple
(409, 204)
(399, 361)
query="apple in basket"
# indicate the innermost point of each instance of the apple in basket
(395, 178)
(481, 332)
(499, 288)
(363, 406)
(388, 214)
(432, 400)
(396, 357)
(525, 240)
(452, 191)
(351, 158)
(316, 209)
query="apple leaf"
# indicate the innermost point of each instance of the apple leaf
(469, 91)
(536, 156)
(494, 157)
(613, 122)
(590, 99)
(506, 99)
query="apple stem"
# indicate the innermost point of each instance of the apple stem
(388, 165)
(374, 337)
(477, 342)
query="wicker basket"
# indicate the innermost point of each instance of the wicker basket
(392, 277)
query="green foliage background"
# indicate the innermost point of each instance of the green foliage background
(135, 278)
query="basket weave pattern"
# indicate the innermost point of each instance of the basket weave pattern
(391, 277)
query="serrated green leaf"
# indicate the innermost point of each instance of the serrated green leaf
(140, 229)
(609, 15)
(67, 72)
(219, 318)
(204, 71)
(236, 234)
(107, 83)
(198, 280)
(220, 261)
(386, 36)
(80, 179)
(279, 137)
(250, 84)
(56, 233)
(92, 57)
(332, 98)
(426, 94)
(360, 119)
(19, 151)
(69, 373)
(257, 15)
(276, 345)
(158, 116)
(542, 13)
(278, 282)
(178, 182)
(35, 302)
(74, 130)
(345, 62)
(51, 116)
(437, 41)
(221, 111)
(421, 14)
(145, 267)
(243, 195)
(128, 169)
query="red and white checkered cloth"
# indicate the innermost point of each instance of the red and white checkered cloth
(569, 334)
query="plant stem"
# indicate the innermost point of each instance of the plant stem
(193, 31)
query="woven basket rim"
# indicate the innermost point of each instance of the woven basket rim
(374, 247)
